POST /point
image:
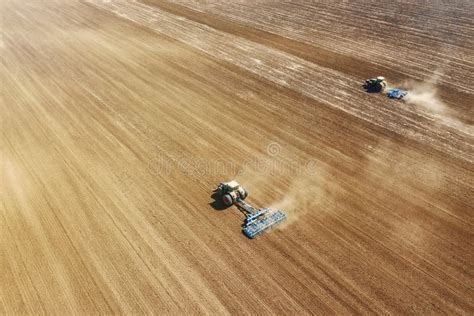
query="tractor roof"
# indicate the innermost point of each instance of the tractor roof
(232, 184)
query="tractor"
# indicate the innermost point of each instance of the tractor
(375, 84)
(257, 220)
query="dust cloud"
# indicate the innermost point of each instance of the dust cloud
(306, 193)
(424, 95)
(397, 170)
(298, 191)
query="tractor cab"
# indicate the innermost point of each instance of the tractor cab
(227, 187)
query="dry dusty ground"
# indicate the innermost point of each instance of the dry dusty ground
(120, 117)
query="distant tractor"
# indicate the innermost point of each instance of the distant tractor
(257, 221)
(396, 93)
(375, 84)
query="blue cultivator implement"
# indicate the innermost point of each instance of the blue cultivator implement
(257, 221)
(396, 94)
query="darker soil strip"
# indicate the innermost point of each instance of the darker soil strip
(458, 101)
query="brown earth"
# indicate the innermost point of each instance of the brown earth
(114, 136)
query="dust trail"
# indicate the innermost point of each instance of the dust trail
(307, 193)
(425, 96)
(296, 189)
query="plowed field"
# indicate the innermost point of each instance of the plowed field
(119, 118)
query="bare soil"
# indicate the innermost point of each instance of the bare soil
(119, 118)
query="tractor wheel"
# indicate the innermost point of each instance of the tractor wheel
(245, 194)
(227, 199)
(242, 193)
(376, 88)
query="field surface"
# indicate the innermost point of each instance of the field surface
(119, 118)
